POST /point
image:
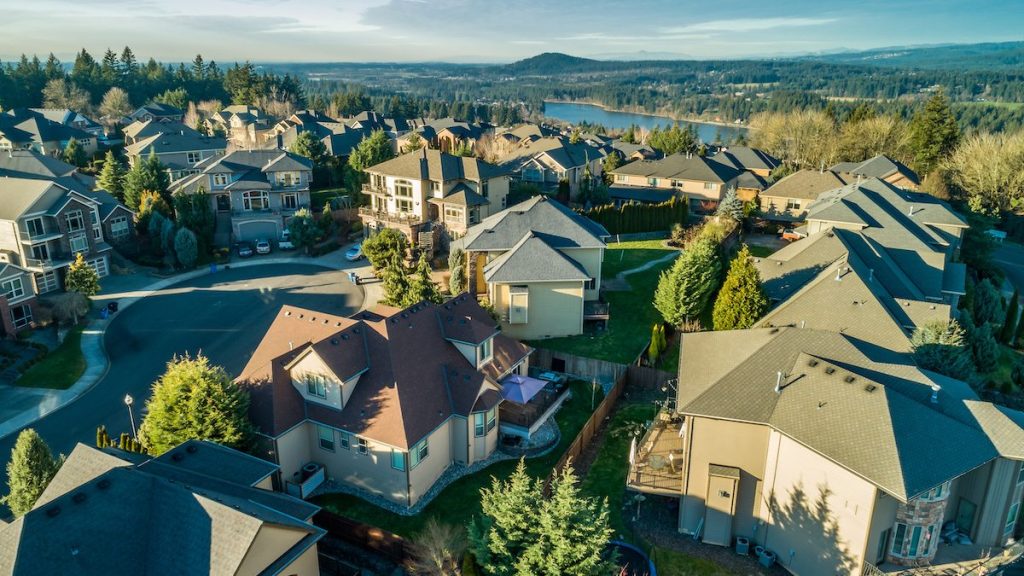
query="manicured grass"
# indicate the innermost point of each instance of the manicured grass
(460, 501)
(607, 475)
(318, 198)
(669, 361)
(629, 329)
(760, 251)
(60, 368)
(628, 255)
(679, 564)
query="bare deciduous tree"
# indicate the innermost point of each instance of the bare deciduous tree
(804, 139)
(438, 550)
(114, 106)
(989, 170)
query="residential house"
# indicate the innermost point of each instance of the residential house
(143, 129)
(244, 125)
(372, 121)
(198, 509)
(117, 221)
(446, 134)
(25, 129)
(539, 265)
(529, 132)
(417, 190)
(546, 162)
(881, 167)
(71, 119)
(156, 111)
(384, 401)
(179, 151)
(787, 200)
(748, 159)
(256, 191)
(702, 181)
(629, 151)
(17, 300)
(834, 454)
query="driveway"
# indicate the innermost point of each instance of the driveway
(1010, 257)
(224, 315)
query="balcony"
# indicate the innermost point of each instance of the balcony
(46, 236)
(377, 190)
(596, 310)
(56, 260)
(402, 218)
(656, 464)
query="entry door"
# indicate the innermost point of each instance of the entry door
(965, 515)
(223, 203)
(720, 504)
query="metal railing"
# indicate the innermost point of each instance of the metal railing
(371, 189)
(400, 218)
(658, 461)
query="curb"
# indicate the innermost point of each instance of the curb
(94, 350)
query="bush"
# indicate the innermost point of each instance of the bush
(631, 218)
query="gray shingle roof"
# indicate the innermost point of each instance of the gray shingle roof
(214, 460)
(746, 158)
(534, 260)
(559, 226)
(880, 166)
(170, 142)
(680, 167)
(426, 164)
(461, 195)
(861, 406)
(805, 184)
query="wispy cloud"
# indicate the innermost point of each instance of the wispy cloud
(746, 25)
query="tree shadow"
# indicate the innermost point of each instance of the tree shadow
(805, 534)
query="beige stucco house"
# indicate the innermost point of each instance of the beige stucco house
(539, 264)
(30, 129)
(180, 151)
(427, 188)
(383, 402)
(788, 199)
(690, 176)
(882, 167)
(547, 161)
(198, 509)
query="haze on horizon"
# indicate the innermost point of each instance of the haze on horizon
(488, 31)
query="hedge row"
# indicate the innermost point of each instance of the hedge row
(632, 217)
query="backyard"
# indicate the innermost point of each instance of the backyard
(460, 501)
(632, 310)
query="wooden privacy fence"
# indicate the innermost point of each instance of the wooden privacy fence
(389, 545)
(646, 378)
(578, 366)
(589, 430)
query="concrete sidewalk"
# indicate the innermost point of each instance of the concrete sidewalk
(20, 407)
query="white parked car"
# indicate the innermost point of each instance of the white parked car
(285, 243)
(262, 246)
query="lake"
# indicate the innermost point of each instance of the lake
(576, 113)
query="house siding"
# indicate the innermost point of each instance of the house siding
(555, 309)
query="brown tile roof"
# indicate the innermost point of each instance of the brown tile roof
(414, 379)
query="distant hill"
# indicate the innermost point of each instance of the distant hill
(986, 56)
(550, 63)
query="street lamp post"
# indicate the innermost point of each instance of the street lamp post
(128, 400)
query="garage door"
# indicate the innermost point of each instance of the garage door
(249, 231)
(100, 266)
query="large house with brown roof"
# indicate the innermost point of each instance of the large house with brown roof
(703, 181)
(199, 508)
(548, 161)
(424, 189)
(384, 401)
(787, 200)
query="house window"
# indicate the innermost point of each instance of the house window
(485, 350)
(326, 436)
(192, 157)
(40, 252)
(46, 282)
(492, 419)
(883, 540)
(403, 188)
(35, 227)
(255, 200)
(362, 446)
(397, 459)
(345, 440)
(620, 177)
(652, 181)
(435, 188)
(75, 221)
(84, 141)
(119, 227)
(710, 186)
(419, 452)
(288, 179)
(97, 234)
(1011, 518)
(590, 284)
(12, 289)
(79, 243)
(479, 424)
(21, 316)
(452, 214)
(404, 205)
(289, 201)
(220, 179)
(792, 204)
(316, 385)
(915, 541)
(1020, 475)
(898, 539)
(677, 184)
(484, 188)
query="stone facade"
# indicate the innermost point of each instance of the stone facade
(923, 514)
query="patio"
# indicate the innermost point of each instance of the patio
(955, 560)
(656, 461)
(528, 403)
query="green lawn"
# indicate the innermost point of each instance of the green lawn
(60, 368)
(628, 255)
(317, 198)
(460, 501)
(760, 251)
(679, 564)
(629, 329)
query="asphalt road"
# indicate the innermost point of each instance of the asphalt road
(223, 315)
(1010, 257)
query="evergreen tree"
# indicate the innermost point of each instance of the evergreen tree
(611, 162)
(309, 146)
(302, 230)
(684, 290)
(371, 151)
(186, 247)
(501, 536)
(741, 302)
(730, 206)
(1018, 340)
(195, 400)
(666, 294)
(985, 348)
(81, 277)
(413, 143)
(654, 349)
(457, 267)
(1017, 372)
(73, 154)
(933, 133)
(384, 247)
(1010, 320)
(395, 282)
(988, 304)
(941, 346)
(149, 204)
(29, 471)
(149, 174)
(421, 287)
(111, 177)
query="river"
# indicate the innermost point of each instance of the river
(575, 113)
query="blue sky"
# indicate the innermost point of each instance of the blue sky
(492, 30)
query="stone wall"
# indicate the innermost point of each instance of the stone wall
(915, 513)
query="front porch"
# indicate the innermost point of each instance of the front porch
(955, 560)
(656, 461)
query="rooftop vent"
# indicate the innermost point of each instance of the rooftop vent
(830, 370)
(849, 379)
(356, 330)
(177, 456)
(79, 497)
(53, 511)
(870, 388)
(288, 313)
(812, 362)
(404, 315)
(337, 324)
(334, 341)
(345, 336)
(191, 449)
(103, 484)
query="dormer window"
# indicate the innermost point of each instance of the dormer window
(484, 352)
(220, 179)
(316, 385)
